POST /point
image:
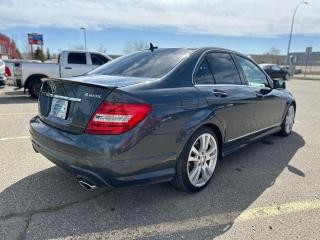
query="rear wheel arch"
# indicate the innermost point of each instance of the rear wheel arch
(179, 179)
(33, 84)
(32, 78)
(217, 131)
(214, 127)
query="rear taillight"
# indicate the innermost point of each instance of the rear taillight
(7, 72)
(117, 118)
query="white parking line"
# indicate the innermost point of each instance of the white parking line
(23, 113)
(13, 138)
(209, 221)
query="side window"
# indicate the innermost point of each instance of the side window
(77, 58)
(204, 75)
(254, 75)
(223, 68)
(98, 59)
(275, 68)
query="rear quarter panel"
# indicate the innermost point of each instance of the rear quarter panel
(176, 114)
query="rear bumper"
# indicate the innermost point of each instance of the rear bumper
(112, 161)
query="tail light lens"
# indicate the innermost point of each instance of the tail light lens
(7, 72)
(117, 118)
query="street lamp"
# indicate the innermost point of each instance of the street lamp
(85, 37)
(292, 23)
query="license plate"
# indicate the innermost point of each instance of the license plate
(59, 108)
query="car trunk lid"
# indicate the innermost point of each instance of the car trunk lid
(68, 104)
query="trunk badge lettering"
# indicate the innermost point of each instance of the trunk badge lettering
(90, 95)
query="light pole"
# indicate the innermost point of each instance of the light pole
(292, 23)
(85, 37)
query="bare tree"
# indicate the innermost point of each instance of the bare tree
(135, 46)
(273, 53)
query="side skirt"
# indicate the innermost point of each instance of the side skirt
(233, 146)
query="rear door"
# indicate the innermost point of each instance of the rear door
(75, 64)
(269, 105)
(218, 79)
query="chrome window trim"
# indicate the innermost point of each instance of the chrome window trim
(62, 97)
(233, 139)
(198, 62)
(257, 65)
(216, 51)
(203, 85)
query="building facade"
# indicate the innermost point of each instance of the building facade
(7, 48)
(301, 58)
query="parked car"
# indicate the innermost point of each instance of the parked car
(71, 63)
(161, 115)
(2, 74)
(275, 71)
(296, 70)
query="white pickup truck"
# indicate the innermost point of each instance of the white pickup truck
(28, 75)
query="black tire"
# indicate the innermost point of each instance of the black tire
(34, 87)
(284, 130)
(286, 76)
(181, 179)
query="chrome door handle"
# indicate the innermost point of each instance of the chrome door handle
(219, 93)
(68, 68)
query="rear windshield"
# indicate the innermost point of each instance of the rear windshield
(144, 64)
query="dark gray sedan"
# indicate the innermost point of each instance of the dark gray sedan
(275, 71)
(158, 115)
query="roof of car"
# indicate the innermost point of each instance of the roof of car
(267, 64)
(200, 49)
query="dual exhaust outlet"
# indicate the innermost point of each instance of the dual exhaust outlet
(86, 183)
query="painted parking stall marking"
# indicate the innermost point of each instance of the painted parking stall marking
(13, 114)
(13, 138)
(212, 220)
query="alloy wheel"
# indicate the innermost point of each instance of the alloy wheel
(289, 120)
(202, 160)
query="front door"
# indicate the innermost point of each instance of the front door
(218, 80)
(269, 106)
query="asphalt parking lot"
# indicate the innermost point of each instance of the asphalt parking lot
(270, 189)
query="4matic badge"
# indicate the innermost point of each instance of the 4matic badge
(90, 95)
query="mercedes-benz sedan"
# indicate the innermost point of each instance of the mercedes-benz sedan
(158, 115)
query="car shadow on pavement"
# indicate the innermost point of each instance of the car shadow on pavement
(54, 206)
(16, 97)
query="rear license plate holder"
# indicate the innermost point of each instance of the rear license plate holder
(59, 108)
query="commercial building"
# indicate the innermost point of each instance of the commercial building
(7, 48)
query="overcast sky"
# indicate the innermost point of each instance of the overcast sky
(257, 19)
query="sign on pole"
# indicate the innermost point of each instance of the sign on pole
(308, 52)
(35, 38)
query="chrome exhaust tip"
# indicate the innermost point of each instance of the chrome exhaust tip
(86, 184)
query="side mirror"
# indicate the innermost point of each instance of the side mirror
(279, 84)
